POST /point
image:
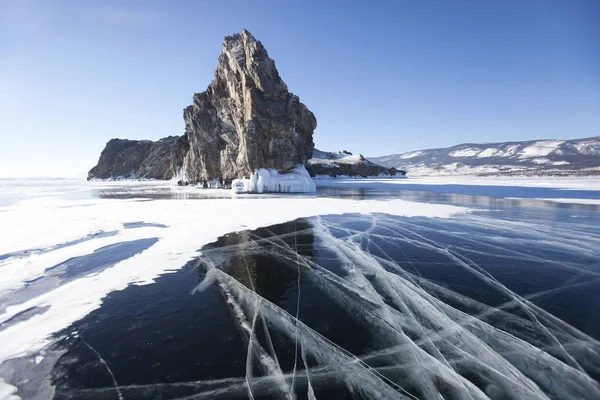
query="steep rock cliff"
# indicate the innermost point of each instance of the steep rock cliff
(141, 159)
(246, 119)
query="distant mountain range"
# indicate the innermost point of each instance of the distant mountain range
(535, 157)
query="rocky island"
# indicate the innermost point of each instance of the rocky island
(345, 164)
(245, 126)
(141, 159)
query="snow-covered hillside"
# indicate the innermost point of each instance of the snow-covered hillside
(540, 157)
(344, 163)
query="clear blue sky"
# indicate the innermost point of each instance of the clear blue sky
(381, 77)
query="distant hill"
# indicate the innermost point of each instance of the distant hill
(344, 163)
(535, 157)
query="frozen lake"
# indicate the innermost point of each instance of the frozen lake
(426, 288)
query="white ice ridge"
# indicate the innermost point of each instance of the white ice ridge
(42, 225)
(426, 348)
(269, 180)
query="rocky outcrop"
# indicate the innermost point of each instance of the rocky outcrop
(141, 159)
(246, 119)
(344, 163)
(120, 159)
(165, 158)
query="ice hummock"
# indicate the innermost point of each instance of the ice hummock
(270, 180)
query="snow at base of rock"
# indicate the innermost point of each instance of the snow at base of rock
(8, 392)
(269, 180)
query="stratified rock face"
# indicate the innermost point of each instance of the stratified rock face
(246, 119)
(165, 158)
(121, 158)
(141, 159)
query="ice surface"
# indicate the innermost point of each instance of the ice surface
(575, 201)
(271, 181)
(425, 344)
(427, 348)
(463, 184)
(179, 226)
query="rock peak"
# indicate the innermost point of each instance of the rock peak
(247, 36)
(244, 59)
(244, 36)
(246, 119)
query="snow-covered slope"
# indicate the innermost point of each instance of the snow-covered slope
(344, 163)
(540, 157)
